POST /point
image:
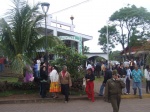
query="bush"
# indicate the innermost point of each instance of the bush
(70, 58)
(6, 86)
(77, 85)
(3, 86)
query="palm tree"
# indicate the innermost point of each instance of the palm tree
(19, 37)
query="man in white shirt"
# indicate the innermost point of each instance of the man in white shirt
(38, 63)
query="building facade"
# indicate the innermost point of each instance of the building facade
(65, 32)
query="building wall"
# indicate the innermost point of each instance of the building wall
(74, 38)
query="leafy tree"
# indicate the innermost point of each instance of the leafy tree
(98, 59)
(112, 34)
(85, 49)
(20, 39)
(70, 58)
(131, 22)
(115, 55)
(1, 52)
(145, 47)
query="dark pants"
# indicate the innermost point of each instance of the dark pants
(65, 91)
(1, 67)
(147, 86)
(131, 68)
(115, 102)
(98, 73)
(43, 89)
(128, 85)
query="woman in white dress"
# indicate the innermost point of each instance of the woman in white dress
(54, 85)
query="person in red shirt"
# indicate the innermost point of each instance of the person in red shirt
(66, 82)
(2, 59)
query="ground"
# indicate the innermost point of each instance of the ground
(127, 105)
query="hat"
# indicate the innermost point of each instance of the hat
(114, 72)
(89, 66)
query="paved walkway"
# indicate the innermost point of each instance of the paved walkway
(34, 98)
(127, 105)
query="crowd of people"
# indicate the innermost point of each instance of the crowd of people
(117, 80)
(127, 72)
(58, 82)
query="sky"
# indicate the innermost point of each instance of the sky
(89, 17)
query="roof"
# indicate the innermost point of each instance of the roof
(131, 49)
(137, 49)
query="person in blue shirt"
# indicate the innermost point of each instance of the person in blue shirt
(137, 80)
(35, 69)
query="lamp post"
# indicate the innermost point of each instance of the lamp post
(72, 18)
(45, 7)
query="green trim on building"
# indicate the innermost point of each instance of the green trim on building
(74, 38)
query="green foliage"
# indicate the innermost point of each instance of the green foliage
(1, 51)
(132, 19)
(100, 59)
(8, 79)
(70, 58)
(136, 41)
(112, 34)
(131, 23)
(20, 39)
(115, 55)
(24, 86)
(7, 86)
(99, 79)
(148, 60)
(85, 49)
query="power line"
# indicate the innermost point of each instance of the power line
(71, 7)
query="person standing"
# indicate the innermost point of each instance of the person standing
(107, 75)
(42, 59)
(89, 89)
(54, 85)
(38, 62)
(98, 69)
(28, 74)
(65, 81)
(2, 62)
(35, 69)
(128, 75)
(132, 64)
(137, 77)
(113, 91)
(147, 77)
(43, 81)
(102, 68)
(122, 73)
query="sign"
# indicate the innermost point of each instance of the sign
(74, 38)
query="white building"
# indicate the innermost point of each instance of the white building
(65, 32)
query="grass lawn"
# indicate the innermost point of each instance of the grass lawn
(99, 79)
(8, 79)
